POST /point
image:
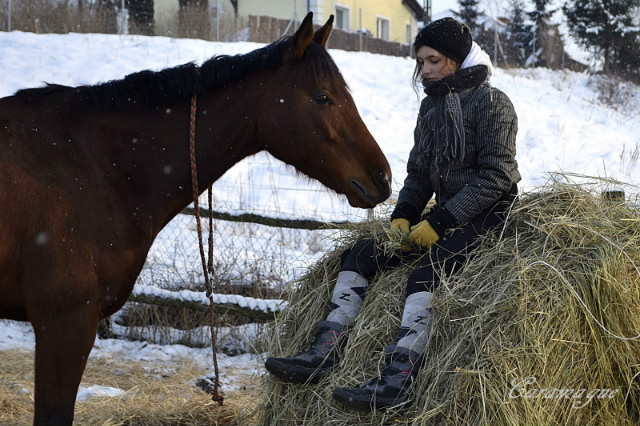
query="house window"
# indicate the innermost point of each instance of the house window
(408, 39)
(342, 18)
(382, 28)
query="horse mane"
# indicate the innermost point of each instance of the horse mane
(151, 89)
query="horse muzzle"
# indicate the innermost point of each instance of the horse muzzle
(372, 193)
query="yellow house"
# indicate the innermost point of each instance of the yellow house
(391, 20)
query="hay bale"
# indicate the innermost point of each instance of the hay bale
(540, 326)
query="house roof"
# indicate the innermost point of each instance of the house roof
(418, 11)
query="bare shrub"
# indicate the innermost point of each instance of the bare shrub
(615, 92)
(58, 16)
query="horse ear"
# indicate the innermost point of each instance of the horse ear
(322, 34)
(303, 36)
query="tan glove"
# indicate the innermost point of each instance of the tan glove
(400, 234)
(423, 234)
(400, 224)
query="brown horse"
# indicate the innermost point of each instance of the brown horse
(90, 175)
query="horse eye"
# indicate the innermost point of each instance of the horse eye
(322, 99)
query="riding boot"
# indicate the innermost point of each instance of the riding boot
(392, 389)
(316, 361)
(319, 358)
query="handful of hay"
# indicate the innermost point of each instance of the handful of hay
(540, 327)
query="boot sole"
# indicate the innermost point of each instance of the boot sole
(367, 403)
(295, 373)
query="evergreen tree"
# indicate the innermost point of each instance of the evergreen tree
(469, 12)
(540, 10)
(607, 27)
(538, 13)
(518, 42)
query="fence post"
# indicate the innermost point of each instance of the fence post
(360, 27)
(9, 16)
(218, 20)
(123, 20)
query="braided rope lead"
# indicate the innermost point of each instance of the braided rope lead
(216, 396)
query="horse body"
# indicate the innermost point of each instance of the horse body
(72, 244)
(87, 189)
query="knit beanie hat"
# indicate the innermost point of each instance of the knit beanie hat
(448, 36)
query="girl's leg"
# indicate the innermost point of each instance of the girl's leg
(318, 359)
(359, 264)
(402, 362)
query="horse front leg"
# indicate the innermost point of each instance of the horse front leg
(63, 344)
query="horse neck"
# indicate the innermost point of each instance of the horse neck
(158, 155)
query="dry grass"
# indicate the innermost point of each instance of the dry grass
(554, 296)
(153, 395)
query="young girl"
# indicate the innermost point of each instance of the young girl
(464, 154)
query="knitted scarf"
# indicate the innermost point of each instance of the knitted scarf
(442, 133)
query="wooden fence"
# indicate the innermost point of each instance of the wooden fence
(169, 304)
(265, 29)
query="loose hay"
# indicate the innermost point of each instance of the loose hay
(161, 395)
(540, 326)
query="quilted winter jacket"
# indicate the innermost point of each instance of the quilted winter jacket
(488, 171)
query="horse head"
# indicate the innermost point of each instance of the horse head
(313, 123)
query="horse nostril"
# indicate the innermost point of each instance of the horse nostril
(379, 176)
(382, 181)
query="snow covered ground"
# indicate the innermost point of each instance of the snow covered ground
(564, 127)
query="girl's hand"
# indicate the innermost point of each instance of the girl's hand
(423, 234)
(400, 224)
